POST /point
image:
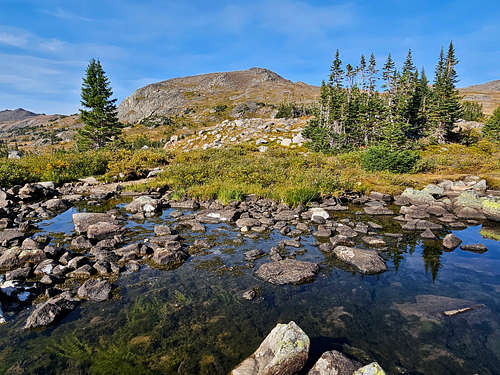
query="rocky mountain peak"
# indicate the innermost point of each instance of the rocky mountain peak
(198, 95)
(15, 115)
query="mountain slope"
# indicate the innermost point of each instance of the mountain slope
(15, 115)
(488, 94)
(201, 97)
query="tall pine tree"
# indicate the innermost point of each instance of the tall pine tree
(99, 113)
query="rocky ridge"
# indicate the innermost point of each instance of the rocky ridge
(248, 91)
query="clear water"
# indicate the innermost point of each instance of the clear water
(192, 320)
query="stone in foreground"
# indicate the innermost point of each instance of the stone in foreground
(51, 311)
(287, 271)
(476, 248)
(366, 261)
(97, 290)
(83, 220)
(371, 369)
(334, 362)
(450, 241)
(283, 351)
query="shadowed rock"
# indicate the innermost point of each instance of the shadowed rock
(51, 311)
(334, 362)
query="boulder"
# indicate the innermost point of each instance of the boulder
(169, 256)
(450, 241)
(247, 222)
(144, 204)
(476, 248)
(283, 351)
(83, 220)
(371, 369)
(97, 290)
(8, 259)
(434, 190)
(318, 211)
(491, 208)
(418, 197)
(51, 311)
(334, 363)
(468, 198)
(287, 271)
(10, 236)
(366, 261)
(101, 231)
(55, 204)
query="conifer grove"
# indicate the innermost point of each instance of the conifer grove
(353, 113)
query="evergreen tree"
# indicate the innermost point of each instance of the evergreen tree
(99, 115)
(492, 127)
(336, 72)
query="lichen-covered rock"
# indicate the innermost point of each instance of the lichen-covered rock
(287, 271)
(491, 208)
(284, 351)
(418, 197)
(468, 198)
(371, 369)
(334, 363)
(366, 261)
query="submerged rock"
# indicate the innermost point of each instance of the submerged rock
(51, 311)
(366, 261)
(287, 271)
(283, 351)
(334, 362)
(97, 290)
(477, 248)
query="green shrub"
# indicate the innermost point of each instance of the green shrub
(302, 194)
(472, 111)
(492, 127)
(384, 158)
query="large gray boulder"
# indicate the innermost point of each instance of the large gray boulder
(103, 230)
(491, 208)
(334, 363)
(51, 310)
(287, 271)
(10, 236)
(170, 256)
(283, 352)
(366, 261)
(144, 204)
(418, 197)
(83, 220)
(97, 290)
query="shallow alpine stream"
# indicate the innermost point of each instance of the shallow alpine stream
(193, 320)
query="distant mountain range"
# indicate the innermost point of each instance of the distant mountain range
(15, 115)
(210, 98)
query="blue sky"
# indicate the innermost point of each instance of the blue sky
(46, 44)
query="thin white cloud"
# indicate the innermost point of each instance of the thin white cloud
(12, 39)
(66, 15)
